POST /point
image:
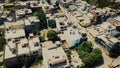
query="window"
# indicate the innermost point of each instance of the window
(36, 44)
(35, 52)
(25, 45)
(56, 57)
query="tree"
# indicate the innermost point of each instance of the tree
(52, 35)
(92, 58)
(52, 23)
(85, 46)
(88, 60)
(82, 54)
(2, 42)
(89, 55)
(97, 50)
(42, 17)
(36, 32)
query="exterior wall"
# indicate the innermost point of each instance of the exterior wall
(11, 62)
(29, 29)
(20, 7)
(66, 5)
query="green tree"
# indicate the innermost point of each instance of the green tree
(42, 17)
(85, 46)
(92, 58)
(52, 35)
(43, 20)
(87, 60)
(89, 55)
(52, 23)
(97, 50)
(2, 42)
(82, 54)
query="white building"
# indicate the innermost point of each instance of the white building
(34, 44)
(20, 14)
(21, 5)
(18, 45)
(54, 56)
(35, 5)
(71, 36)
(66, 3)
(61, 22)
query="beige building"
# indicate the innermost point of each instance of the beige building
(54, 56)
(61, 22)
(34, 44)
(17, 45)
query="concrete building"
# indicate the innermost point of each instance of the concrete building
(83, 19)
(14, 25)
(47, 9)
(108, 42)
(61, 22)
(95, 31)
(31, 23)
(71, 37)
(21, 5)
(54, 56)
(34, 44)
(114, 21)
(17, 45)
(107, 26)
(20, 14)
(66, 3)
(34, 5)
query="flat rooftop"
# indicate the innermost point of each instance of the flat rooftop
(107, 26)
(14, 33)
(20, 3)
(93, 32)
(34, 4)
(118, 18)
(16, 24)
(53, 54)
(27, 22)
(8, 53)
(23, 47)
(34, 43)
(33, 19)
(20, 12)
(70, 35)
(113, 40)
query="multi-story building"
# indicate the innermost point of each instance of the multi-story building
(34, 44)
(54, 56)
(17, 45)
(108, 42)
(31, 23)
(72, 37)
(66, 3)
(21, 5)
(61, 22)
